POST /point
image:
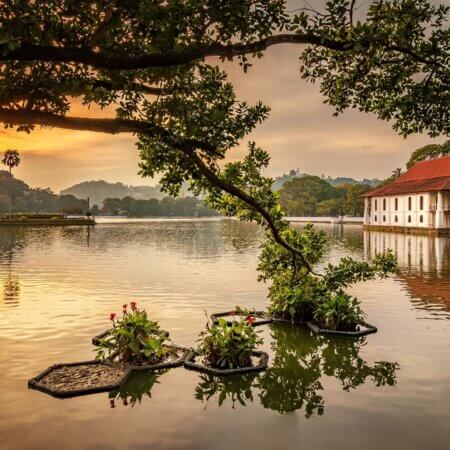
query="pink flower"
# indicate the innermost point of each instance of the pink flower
(112, 316)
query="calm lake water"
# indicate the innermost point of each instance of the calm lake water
(58, 286)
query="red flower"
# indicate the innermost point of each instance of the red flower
(112, 316)
(133, 305)
(124, 306)
(250, 320)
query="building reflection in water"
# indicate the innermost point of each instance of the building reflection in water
(424, 261)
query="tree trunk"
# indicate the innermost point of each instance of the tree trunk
(10, 193)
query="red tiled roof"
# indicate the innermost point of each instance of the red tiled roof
(425, 176)
(424, 170)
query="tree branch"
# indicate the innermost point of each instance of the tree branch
(111, 126)
(236, 192)
(99, 59)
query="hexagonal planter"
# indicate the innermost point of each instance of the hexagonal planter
(262, 318)
(192, 363)
(362, 329)
(80, 378)
(175, 359)
(96, 339)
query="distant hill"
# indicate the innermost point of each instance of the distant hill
(338, 181)
(98, 190)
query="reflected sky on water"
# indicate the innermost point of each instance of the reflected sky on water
(58, 286)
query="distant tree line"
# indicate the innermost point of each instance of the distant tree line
(313, 196)
(36, 200)
(167, 207)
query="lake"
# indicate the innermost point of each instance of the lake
(390, 390)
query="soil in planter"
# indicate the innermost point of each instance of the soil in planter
(85, 376)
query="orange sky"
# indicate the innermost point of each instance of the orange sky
(300, 133)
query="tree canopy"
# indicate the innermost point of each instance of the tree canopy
(148, 62)
(431, 151)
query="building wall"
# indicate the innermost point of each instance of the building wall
(382, 211)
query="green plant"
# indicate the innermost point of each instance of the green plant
(134, 339)
(339, 311)
(229, 346)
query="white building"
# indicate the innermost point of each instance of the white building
(417, 200)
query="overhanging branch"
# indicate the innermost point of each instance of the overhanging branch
(99, 59)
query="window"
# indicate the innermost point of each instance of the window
(409, 219)
(375, 218)
(421, 202)
(409, 205)
(421, 219)
(396, 204)
(376, 205)
(384, 218)
(396, 217)
(384, 204)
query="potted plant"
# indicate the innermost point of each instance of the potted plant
(138, 342)
(226, 348)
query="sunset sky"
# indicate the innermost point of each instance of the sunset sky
(300, 133)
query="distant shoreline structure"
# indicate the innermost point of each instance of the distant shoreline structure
(328, 219)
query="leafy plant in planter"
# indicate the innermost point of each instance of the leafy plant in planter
(134, 339)
(229, 346)
(298, 293)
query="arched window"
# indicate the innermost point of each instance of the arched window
(375, 218)
(421, 202)
(376, 205)
(396, 217)
(396, 204)
(384, 218)
(409, 204)
(421, 219)
(384, 204)
(409, 219)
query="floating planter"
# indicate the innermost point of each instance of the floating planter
(260, 317)
(80, 378)
(360, 330)
(194, 362)
(174, 357)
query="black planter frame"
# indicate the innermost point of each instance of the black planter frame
(265, 318)
(35, 383)
(369, 329)
(190, 364)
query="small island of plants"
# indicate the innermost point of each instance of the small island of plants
(138, 342)
(228, 347)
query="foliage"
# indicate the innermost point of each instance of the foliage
(314, 196)
(431, 151)
(35, 200)
(134, 339)
(11, 158)
(229, 346)
(297, 294)
(339, 311)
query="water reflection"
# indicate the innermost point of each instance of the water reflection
(424, 261)
(138, 387)
(295, 380)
